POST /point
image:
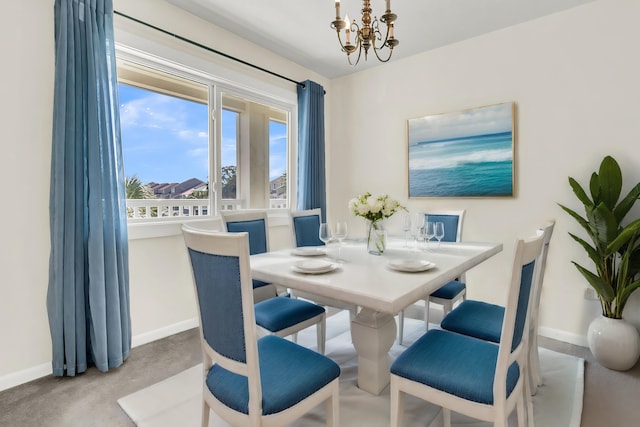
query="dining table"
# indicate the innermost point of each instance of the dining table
(380, 285)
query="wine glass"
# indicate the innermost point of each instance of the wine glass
(406, 227)
(340, 233)
(439, 232)
(430, 232)
(325, 233)
(418, 225)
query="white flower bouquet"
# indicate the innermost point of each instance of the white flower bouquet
(374, 208)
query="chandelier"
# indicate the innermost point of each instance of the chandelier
(368, 34)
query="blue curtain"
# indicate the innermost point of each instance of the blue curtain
(88, 294)
(311, 165)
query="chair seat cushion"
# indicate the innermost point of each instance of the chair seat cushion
(276, 314)
(476, 319)
(289, 373)
(449, 291)
(259, 283)
(456, 364)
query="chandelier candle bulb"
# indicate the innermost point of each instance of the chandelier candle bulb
(388, 5)
(338, 10)
(346, 21)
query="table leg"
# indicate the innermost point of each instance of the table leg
(373, 334)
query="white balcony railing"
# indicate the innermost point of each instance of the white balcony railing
(147, 210)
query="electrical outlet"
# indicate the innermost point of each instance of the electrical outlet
(590, 294)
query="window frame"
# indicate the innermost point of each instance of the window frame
(217, 87)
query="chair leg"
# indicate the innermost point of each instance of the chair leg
(447, 307)
(333, 415)
(400, 327)
(397, 404)
(535, 379)
(446, 417)
(426, 314)
(205, 414)
(520, 411)
(321, 333)
(528, 401)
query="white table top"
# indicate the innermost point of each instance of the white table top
(366, 280)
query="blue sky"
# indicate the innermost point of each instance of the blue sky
(165, 139)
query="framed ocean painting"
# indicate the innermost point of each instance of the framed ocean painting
(469, 153)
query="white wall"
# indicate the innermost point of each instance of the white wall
(574, 79)
(26, 89)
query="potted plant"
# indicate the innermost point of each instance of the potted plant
(614, 249)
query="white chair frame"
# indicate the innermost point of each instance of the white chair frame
(536, 380)
(447, 304)
(526, 251)
(237, 245)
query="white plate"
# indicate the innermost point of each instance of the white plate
(411, 265)
(309, 251)
(314, 266)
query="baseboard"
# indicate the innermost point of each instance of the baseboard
(17, 378)
(563, 336)
(21, 377)
(164, 332)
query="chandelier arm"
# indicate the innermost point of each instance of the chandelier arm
(375, 50)
(357, 59)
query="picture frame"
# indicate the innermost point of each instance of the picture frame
(469, 153)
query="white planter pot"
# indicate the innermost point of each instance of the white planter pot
(614, 343)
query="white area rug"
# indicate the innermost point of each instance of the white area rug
(177, 400)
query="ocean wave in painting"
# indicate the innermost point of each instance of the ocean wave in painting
(471, 166)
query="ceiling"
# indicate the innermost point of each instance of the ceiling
(299, 29)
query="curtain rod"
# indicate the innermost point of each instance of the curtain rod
(184, 39)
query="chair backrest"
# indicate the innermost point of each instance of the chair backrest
(253, 222)
(222, 280)
(452, 221)
(545, 231)
(305, 226)
(513, 338)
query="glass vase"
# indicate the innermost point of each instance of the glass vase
(376, 238)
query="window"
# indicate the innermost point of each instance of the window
(181, 159)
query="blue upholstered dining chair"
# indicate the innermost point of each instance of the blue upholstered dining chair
(305, 226)
(279, 315)
(484, 320)
(470, 376)
(452, 292)
(249, 381)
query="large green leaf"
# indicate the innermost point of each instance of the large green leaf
(610, 177)
(604, 289)
(604, 224)
(595, 256)
(626, 292)
(627, 235)
(583, 222)
(594, 187)
(580, 193)
(627, 203)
